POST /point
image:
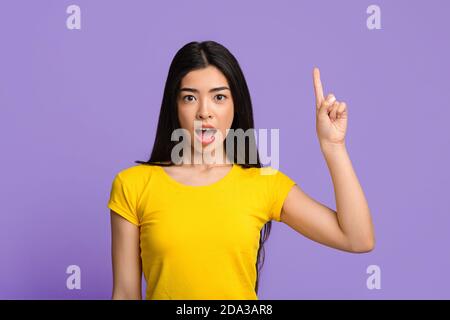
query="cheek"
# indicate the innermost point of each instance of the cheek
(226, 117)
(186, 118)
(229, 115)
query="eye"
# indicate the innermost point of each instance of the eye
(188, 97)
(223, 97)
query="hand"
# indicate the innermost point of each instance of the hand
(331, 115)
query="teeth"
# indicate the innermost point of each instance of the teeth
(207, 132)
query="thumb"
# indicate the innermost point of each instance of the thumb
(326, 105)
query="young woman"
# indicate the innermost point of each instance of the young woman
(197, 229)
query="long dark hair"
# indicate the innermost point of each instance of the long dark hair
(198, 55)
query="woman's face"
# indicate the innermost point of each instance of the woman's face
(205, 97)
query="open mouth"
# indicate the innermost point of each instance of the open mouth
(206, 135)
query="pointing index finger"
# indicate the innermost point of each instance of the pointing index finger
(318, 90)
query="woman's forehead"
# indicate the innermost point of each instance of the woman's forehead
(204, 79)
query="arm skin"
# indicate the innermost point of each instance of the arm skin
(350, 227)
(126, 261)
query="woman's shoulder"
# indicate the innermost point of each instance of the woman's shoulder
(263, 172)
(139, 173)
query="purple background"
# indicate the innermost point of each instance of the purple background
(77, 106)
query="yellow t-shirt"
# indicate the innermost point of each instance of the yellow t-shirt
(199, 242)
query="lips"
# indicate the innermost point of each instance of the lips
(206, 130)
(206, 134)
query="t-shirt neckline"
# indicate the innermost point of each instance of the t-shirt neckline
(222, 180)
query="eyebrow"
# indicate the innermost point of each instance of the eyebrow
(212, 90)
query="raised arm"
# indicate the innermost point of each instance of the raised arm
(126, 261)
(350, 227)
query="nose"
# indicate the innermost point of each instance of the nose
(203, 111)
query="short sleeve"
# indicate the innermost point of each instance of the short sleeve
(123, 201)
(279, 186)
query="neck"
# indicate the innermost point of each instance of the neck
(206, 159)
